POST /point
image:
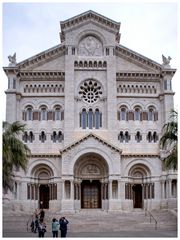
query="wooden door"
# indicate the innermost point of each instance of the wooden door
(44, 196)
(91, 197)
(137, 196)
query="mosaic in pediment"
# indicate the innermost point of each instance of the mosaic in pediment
(90, 46)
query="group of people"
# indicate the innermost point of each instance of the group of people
(59, 225)
(38, 224)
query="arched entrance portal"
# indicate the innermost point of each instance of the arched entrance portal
(42, 187)
(91, 181)
(140, 187)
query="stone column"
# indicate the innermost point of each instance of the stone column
(170, 188)
(72, 189)
(110, 189)
(157, 190)
(122, 190)
(119, 189)
(162, 189)
(63, 189)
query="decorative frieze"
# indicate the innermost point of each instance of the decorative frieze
(138, 75)
(42, 75)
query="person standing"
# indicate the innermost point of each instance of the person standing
(42, 214)
(55, 227)
(41, 228)
(36, 223)
(63, 226)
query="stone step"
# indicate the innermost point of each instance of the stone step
(86, 221)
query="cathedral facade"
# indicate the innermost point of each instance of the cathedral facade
(94, 112)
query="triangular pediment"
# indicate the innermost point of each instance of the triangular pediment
(128, 59)
(85, 18)
(85, 138)
(46, 60)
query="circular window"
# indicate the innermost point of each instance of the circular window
(90, 91)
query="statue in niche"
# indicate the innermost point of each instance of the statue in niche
(166, 61)
(12, 60)
(90, 46)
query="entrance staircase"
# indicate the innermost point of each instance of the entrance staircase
(94, 223)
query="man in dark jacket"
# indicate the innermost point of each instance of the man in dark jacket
(63, 226)
(42, 214)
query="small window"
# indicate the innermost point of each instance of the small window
(14, 83)
(123, 114)
(137, 114)
(42, 137)
(151, 114)
(155, 136)
(97, 119)
(43, 114)
(54, 137)
(60, 136)
(149, 137)
(90, 119)
(84, 119)
(29, 114)
(138, 137)
(31, 136)
(121, 137)
(57, 113)
(126, 137)
(25, 137)
(107, 51)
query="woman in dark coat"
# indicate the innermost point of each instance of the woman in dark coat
(63, 226)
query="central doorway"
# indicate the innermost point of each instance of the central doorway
(137, 196)
(44, 196)
(90, 194)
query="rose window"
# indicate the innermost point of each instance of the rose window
(90, 91)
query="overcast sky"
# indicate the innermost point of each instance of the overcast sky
(147, 28)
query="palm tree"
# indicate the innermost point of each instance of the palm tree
(15, 152)
(169, 141)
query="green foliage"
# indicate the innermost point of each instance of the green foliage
(15, 152)
(169, 141)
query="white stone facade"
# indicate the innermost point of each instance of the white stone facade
(94, 111)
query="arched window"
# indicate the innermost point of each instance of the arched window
(126, 136)
(123, 114)
(31, 136)
(137, 114)
(84, 119)
(155, 136)
(121, 137)
(29, 114)
(25, 137)
(138, 136)
(43, 113)
(54, 136)
(90, 119)
(151, 114)
(60, 136)
(149, 136)
(42, 137)
(97, 119)
(57, 113)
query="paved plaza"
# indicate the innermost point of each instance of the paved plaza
(98, 224)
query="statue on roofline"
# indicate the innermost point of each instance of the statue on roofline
(12, 60)
(166, 61)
